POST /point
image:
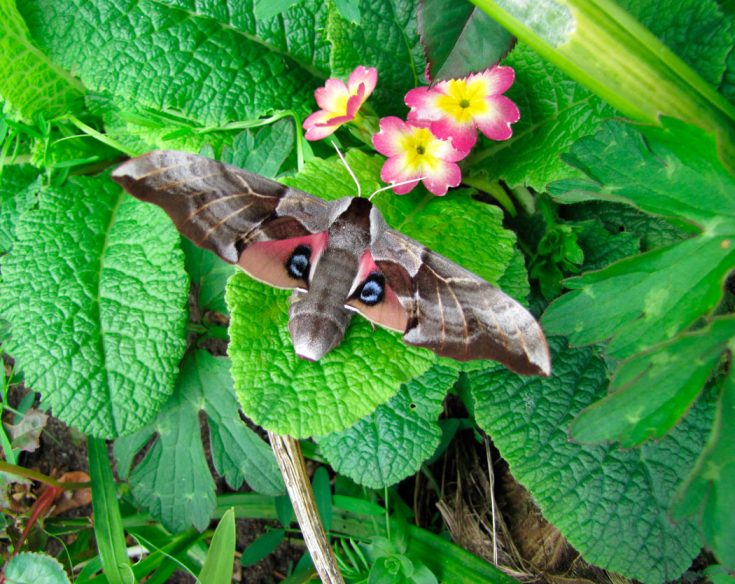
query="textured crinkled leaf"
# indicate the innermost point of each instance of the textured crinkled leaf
(30, 83)
(663, 292)
(32, 568)
(618, 218)
(673, 172)
(95, 291)
(173, 480)
(459, 39)
(209, 63)
(711, 485)
(611, 504)
(696, 30)
(289, 395)
(392, 442)
(264, 151)
(390, 43)
(19, 186)
(514, 280)
(653, 390)
(602, 248)
(555, 113)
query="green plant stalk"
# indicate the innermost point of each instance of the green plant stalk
(605, 49)
(449, 562)
(40, 477)
(108, 528)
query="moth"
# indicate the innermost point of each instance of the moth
(339, 257)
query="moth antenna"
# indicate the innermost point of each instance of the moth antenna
(347, 166)
(398, 184)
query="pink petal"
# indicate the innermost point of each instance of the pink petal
(366, 76)
(332, 96)
(318, 117)
(394, 170)
(387, 140)
(497, 79)
(496, 123)
(355, 101)
(463, 136)
(320, 131)
(444, 176)
(422, 102)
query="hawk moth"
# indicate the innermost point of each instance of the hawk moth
(339, 257)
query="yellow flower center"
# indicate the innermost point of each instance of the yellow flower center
(463, 100)
(340, 105)
(420, 147)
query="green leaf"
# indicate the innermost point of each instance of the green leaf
(173, 480)
(665, 290)
(262, 547)
(710, 486)
(390, 43)
(209, 274)
(392, 442)
(669, 288)
(218, 566)
(459, 39)
(547, 128)
(95, 292)
(671, 171)
(718, 574)
(602, 248)
(262, 152)
(31, 568)
(290, 396)
(108, 527)
(653, 390)
(652, 231)
(322, 489)
(198, 65)
(19, 186)
(30, 84)
(610, 504)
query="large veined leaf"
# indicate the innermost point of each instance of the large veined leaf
(611, 504)
(167, 68)
(30, 83)
(392, 442)
(95, 292)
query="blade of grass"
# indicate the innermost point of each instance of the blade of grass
(219, 565)
(108, 528)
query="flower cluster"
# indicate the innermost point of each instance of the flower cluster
(440, 130)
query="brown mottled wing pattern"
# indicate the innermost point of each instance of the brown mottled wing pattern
(220, 207)
(455, 313)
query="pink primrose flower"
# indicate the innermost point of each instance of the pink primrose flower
(339, 102)
(457, 108)
(415, 153)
